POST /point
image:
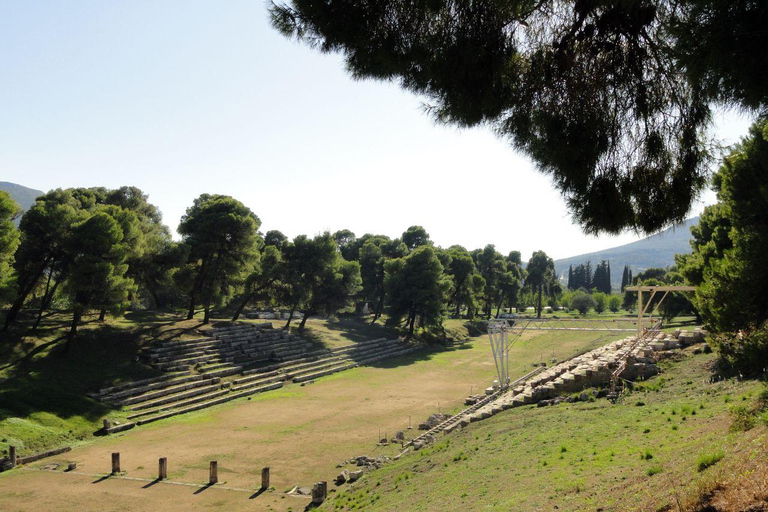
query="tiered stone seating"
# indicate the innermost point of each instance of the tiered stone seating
(594, 368)
(197, 369)
(343, 358)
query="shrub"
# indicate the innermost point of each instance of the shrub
(706, 460)
(614, 303)
(745, 352)
(599, 299)
(582, 302)
(653, 470)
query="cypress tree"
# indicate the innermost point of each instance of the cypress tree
(570, 277)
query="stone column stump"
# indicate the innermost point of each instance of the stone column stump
(317, 494)
(213, 473)
(115, 463)
(265, 478)
(162, 468)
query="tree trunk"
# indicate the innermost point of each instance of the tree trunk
(198, 284)
(159, 304)
(72, 334)
(102, 314)
(379, 308)
(410, 325)
(241, 307)
(191, 311)
(304, 320)
(290, 317)
(24, 291)
(207, 314)
(46, 300)
(458, 307)
(538, 306)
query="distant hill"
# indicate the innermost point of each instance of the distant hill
(22, 195)
(655, 251)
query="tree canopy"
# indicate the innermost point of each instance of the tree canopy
(609, 98)
(541, 278)
(730, 242)
(416, 288)
(223, 238)
(9, 239)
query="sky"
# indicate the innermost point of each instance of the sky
(186, 97)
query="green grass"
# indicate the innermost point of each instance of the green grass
(580, 456)
(707, 460)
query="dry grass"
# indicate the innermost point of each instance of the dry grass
(740, 484)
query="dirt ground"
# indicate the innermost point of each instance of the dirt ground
(302, 433)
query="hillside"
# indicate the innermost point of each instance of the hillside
(22, 195)
(655, 251)
(650, 451)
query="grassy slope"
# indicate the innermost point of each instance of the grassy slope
(42, 391)
(640, 454)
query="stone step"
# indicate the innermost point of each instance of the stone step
(178, 343)
(220, 400)
(224, 372)
(142, 382)
(360, 344)
(310, 376)
(166, 391)
(303, 369)
(173, 356)
(175, 397)
(320, 365)
(253, 378)
(261, 382)
(181, 403)
(190, 361)
(323, 373)
(310, 364)
(151, 387)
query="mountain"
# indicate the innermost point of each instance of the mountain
(655, 251)
(22, 195)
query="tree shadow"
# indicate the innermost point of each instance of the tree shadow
(357, 330)
(42, 378)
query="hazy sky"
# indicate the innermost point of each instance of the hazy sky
(184, 97)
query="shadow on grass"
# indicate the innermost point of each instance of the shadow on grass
(357, 330)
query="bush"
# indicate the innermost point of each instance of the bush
(706, 460)
(582, 302)
(599, 299)
(745, 352)
(653, 470)
(614, 303)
